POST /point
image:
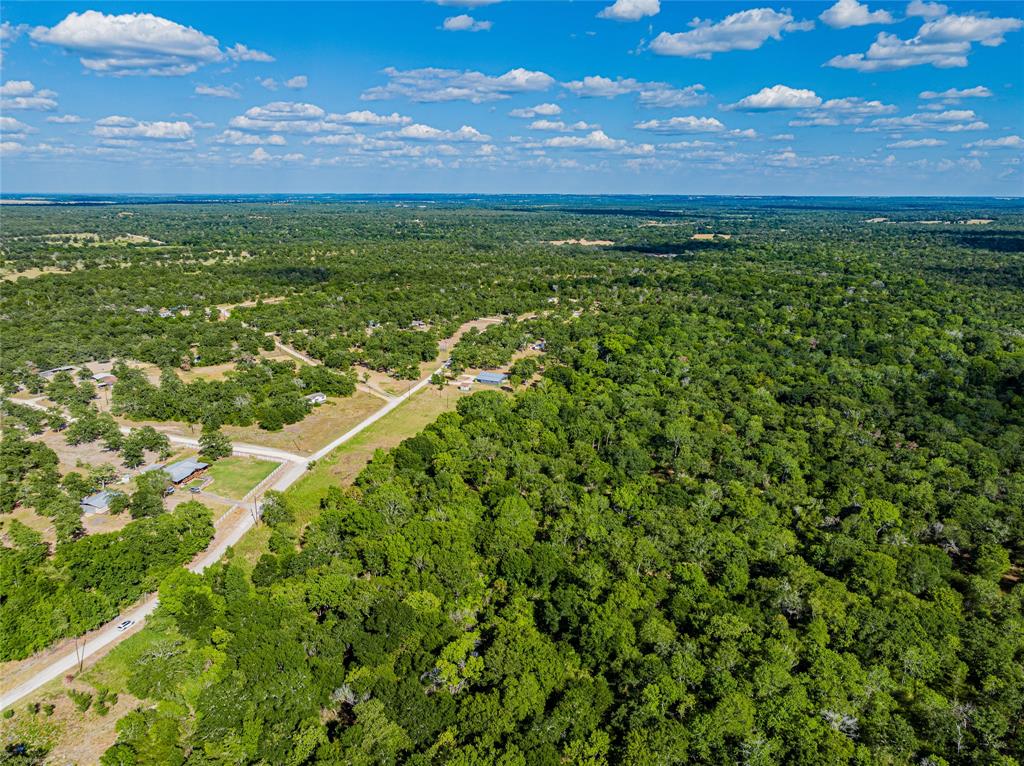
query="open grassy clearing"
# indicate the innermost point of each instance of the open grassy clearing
(73, 456)
(33, 273)
(100, 523)
(335, 416)
(234, 476)
(73, 737)
(209, 372)
(343, 465)
(30, 519)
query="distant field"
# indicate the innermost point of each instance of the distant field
(234, 476)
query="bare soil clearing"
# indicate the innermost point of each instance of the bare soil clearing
(584, 242)
(14, 276)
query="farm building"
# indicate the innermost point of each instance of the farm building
(98, 503)
(48, 374)
(491, 378)
(317, 398)
(104, 379)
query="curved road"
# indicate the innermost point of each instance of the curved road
(294, 467)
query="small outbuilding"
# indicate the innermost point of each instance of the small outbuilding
(318, 398)
(491, 378)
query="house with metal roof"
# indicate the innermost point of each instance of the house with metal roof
(185, 469)
(98, 503)
(491, 378)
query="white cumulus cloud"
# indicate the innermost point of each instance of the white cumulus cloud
(432, 84)
(1006, 142)
(17, 88)
(366, 117)
(778, 97)
(688, 124)
(666, 96)
(120, 127)
(949, 121)
(943, 42)
(464, 23)
(630, 10)
(954, 94)
(916, 143)
(12, 127)
(239, 52)
(217, 91)
(560, 126)
(138, 44)
(22, 94)
(743, 31)
(596, 86)
(297, 82)
(598, 140)
(288, 117)
(420, 132)
(540, 110)
(926, 10)
(850, 13)
(238, 138)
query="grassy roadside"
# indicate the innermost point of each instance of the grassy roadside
(343, 465)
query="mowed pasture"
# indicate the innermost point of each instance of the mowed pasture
(233, 477)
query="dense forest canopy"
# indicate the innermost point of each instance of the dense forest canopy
(764, 504)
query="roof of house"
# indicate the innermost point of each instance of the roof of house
(98, 502)
(184, 468)
(492, 377)
(317, 395)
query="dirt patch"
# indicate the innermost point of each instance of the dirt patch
(710, 237)
(584, 242)
(71, 456)
(876, 220)
(14, 276)
(70, 736)
(210, 372)
(225, 309)
(78, 238)
(30, 519)
(99, 523)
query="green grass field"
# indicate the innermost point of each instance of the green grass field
(236, 475)
(343, 465)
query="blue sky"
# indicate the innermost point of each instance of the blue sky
(633, 97)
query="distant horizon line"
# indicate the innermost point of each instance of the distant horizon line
(41, 195)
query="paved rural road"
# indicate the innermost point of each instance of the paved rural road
(294, 468)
